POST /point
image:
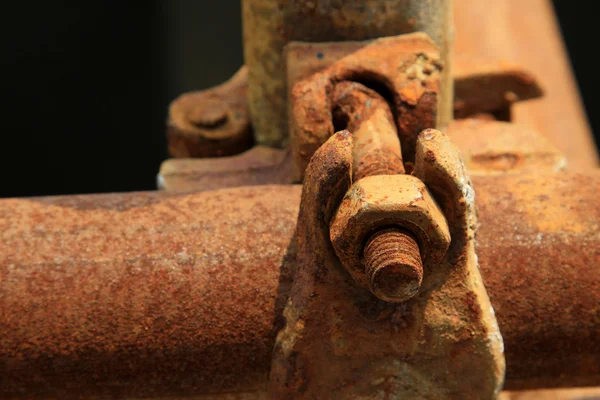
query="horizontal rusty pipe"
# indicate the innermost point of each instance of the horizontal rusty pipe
(143, 294)
(539, 251)
(156, 294)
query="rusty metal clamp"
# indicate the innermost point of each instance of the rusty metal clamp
(380, 244)
(404, 69)
(339, 339)
(387, 220)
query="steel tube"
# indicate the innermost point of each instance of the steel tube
(539, 252)
(158, 294)
(142, 294)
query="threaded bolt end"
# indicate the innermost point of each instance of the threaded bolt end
(393, 265)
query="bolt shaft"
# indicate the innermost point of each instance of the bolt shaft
(392, 259)
(393, 264)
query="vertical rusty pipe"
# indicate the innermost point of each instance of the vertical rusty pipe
(155, 294)
(270, 24)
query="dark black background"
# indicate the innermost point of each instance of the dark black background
(85, 85)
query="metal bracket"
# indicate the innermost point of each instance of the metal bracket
(340, 341)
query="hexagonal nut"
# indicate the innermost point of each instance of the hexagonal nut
(383, 201)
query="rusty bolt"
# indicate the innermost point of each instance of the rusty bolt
(335, 97)
(392, 260)
(393, 264)
(208, 115)
(211, 123)
(377, 230)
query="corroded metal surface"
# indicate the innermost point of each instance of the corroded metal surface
(406, 67)
(303, 59)
(270, 24)
(380, 202)
(553, 394)
(339, 341)
(482, 85)
(213, 122)
(85, 257)
(367, 115)
(144, 294)
(497, 29)
(495, 148)
(488, 148)
(258, 166)
(392, 267)
(393, 264)
(547, 249)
